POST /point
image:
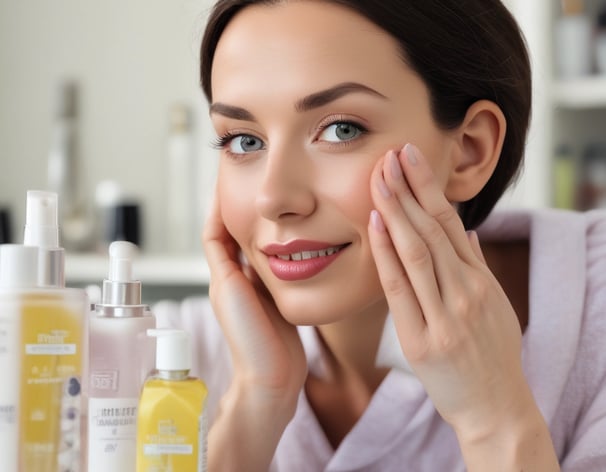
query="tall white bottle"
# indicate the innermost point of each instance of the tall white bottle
(18, 274)
(181, 204)
(121, 356)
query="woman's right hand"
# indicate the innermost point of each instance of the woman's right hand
(268, 358)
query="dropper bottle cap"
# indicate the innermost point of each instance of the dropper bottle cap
(121, 292)
(173, 351)
(18, 266)
(42, 231)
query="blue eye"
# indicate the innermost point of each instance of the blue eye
(244, 143)
(341, 131)
(238, 143)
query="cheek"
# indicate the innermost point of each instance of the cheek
(236, 197)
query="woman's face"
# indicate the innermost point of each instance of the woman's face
(307, 96)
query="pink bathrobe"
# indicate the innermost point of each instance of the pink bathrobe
(564, 357)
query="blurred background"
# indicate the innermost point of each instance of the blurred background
(100, 102)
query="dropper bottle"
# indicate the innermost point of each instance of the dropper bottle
(121, 357)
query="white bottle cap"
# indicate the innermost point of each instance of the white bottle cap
(41, 219)
(172, 349)
(18, 266)
(121, 255)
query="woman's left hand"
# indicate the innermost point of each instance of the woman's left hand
(455, 324)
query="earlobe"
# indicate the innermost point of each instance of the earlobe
(479, 141)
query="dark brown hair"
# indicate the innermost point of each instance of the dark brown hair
(464, 50)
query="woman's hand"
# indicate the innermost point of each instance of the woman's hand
(268, 358)
(455, 324)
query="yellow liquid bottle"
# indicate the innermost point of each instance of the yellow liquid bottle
(172, 420)
(52, 326)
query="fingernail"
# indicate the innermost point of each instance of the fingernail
(394, 164)
(382, 186)
(376, 221)
(411, 154)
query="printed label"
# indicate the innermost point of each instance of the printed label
(112, 429)
(104, 380)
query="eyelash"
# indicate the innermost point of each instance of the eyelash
(222, 141)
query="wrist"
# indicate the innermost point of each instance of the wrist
(518, 439)
(248, 428)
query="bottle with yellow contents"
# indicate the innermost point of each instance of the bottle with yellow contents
(172, 422)
(45, 322)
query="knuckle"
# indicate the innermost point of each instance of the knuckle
(395, 286)
(445, 214)
(417, 254)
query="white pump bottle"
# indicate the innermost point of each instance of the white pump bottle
(121, 356)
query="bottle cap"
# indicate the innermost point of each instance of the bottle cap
(120, 288)
(42, 231)
(18, 266)
(172, 349)
(41, 219)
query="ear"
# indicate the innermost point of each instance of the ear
(478, 143)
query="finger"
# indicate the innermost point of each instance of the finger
(446, 262)
(410, 251)
(400, 295)
(474, 241)
(429, 194)
(220, 249)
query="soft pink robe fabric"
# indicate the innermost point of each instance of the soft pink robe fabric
(564, 357)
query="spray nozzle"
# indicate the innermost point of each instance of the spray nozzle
(121, 255)
(41, 219)
(172, 349)
(120, 289)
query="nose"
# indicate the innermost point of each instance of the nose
(286, 190)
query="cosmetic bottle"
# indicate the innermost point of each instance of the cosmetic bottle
(573, 41)
(77, 224)
(121, 358)
(180, 174)
(172, 418)
(18, 274)
(52, 321)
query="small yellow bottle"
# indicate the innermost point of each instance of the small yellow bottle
(172, 422)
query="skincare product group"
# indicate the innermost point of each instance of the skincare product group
(79, 390)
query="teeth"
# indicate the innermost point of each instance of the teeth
(302, 256)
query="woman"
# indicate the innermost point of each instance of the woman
(361, 324)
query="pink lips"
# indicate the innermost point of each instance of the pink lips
(309, 265)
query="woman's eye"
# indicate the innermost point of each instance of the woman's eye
(244, 143)
(341, 131)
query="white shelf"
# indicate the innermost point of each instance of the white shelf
(160, 269)
(583, 93)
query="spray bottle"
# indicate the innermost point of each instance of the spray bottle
(121, 357)
(51, 343)
(172, 419)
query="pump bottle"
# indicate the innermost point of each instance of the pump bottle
(50, 322)
(172, 419)
(121, 357)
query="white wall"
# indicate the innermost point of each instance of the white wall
(132, 58)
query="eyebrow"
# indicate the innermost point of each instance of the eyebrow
(324, 97)
(315, 100)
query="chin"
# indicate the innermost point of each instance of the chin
(314, 309)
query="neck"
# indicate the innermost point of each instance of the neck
(351, 346)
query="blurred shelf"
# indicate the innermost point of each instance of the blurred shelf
(583, 93)
(151, 269)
